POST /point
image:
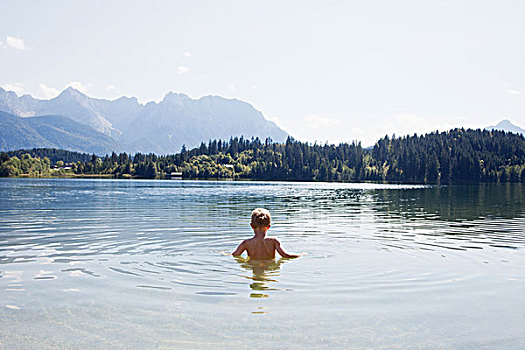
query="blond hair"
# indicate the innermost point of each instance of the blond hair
(261, 218)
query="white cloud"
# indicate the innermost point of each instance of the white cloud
(321, 127)
(340, 127)
(48, 92)
(113, 89)
(254, 86)
(273, 118)
(17, 88)
(315, 121)
(513, 92)
(232, 87)
(408, 124)
(187, 54)
(182, 70)
(79, 86)
(15, 43)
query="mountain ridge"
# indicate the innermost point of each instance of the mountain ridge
(52, 131)
(158, 127)
(506, 125)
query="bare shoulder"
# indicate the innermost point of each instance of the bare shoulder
(274, 240)
(241, 248)
(247, 241)
(243, 243)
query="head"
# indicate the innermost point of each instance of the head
(261, 219)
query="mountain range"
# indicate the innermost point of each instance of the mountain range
(52, 131)
(102, 126)
(506, 125)
(76, 122)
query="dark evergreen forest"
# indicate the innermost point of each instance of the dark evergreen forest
(457, 155)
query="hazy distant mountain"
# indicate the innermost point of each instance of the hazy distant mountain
(70, 103)
(155, 127)
(179, 120)
(52, 131)
(506, 125)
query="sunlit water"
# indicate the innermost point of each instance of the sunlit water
(145, 264)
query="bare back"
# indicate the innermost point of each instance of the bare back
(260, 248)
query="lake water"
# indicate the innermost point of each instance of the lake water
(145, 264)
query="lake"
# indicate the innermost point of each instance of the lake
(146, 264)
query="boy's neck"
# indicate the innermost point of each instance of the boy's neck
(260, 232)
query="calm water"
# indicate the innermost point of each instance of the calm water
(144, 264)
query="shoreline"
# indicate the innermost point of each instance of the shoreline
(112, 177)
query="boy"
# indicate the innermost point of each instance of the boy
(259, 247)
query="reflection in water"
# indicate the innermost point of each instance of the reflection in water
(263, 272)
(456, 217)
(135, 264)
(456, 202)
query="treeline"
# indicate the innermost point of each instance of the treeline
(54, 155)
(456, 155)
(24, 165)
(453, 156)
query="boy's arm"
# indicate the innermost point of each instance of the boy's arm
(282, 252)
(240, 249)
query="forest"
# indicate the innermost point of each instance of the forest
(457, 155)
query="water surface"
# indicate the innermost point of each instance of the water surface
(145, 264)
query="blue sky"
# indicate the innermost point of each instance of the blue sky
(323, 70)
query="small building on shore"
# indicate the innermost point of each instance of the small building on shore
(175, 175)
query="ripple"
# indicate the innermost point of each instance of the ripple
(218, 293)
(123, 271)
(154, 287)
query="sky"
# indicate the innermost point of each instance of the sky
(325, 71)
